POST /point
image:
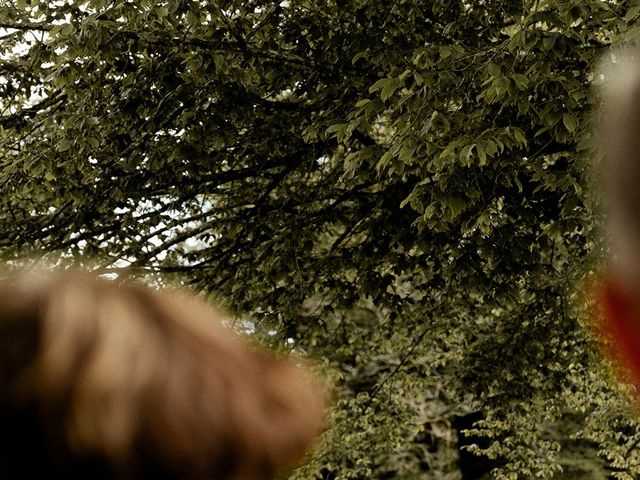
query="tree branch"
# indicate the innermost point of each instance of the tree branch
(26, 26)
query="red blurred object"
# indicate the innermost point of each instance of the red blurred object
(620, 325)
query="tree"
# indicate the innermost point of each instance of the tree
(397, 189)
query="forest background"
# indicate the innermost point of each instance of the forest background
(397, 190)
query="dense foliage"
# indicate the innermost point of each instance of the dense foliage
(397, 189)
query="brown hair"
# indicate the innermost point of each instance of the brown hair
(109, 381)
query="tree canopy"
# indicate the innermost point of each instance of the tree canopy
(396, 189)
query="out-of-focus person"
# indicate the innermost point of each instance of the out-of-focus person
(107, 381)
(619, 176)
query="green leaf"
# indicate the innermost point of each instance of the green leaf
(466, 154)
(521, 81)
(493, 69)
(379, 84)
(548, 42)
(193, 19)
(491, 148)
(384, 160)
(519, 136)
(570, 122)
(63, 145)
(406, 154)
(445, 51)
(218, 61)
(389, 89)
(67, 29)
(632, 13)
(335, 127)
(358, 56)
(482, 155)
(456, 205)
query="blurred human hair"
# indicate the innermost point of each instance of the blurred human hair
(107, 381)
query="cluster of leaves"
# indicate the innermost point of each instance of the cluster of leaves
(395, 188)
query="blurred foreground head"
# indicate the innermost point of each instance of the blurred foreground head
(115, 382)
(619, 138)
